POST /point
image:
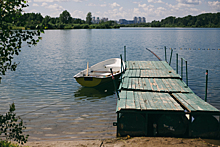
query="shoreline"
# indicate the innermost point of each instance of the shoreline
(129, 142)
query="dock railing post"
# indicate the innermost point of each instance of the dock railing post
(165, 53)
(186, 74)
(124, 53)
(206, 85)
(171, 56)
(182, 68)
(116, 90)
(176, 63)
(122, 66)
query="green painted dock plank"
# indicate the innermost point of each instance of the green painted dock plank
(154, 85)
(143, 103)
(136, 101)
(130, 103)
(196, 103)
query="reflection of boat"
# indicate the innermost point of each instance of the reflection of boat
(99, 73)
(98, 92)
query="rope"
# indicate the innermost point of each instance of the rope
(154, 54)
(192, 48)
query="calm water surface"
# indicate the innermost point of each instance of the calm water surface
(55, 107)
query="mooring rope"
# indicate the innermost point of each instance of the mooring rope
(154, 54)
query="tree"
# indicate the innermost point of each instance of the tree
(89, 18)
(11, 40)
(46, 20)
(65, 17)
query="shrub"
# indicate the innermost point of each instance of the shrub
(12, 127)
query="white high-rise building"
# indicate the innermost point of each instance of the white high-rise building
(139, 20)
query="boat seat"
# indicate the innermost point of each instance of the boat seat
(98, 71)
(112, 65)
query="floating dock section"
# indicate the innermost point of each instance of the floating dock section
(154, 101)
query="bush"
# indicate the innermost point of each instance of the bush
(12, 127)
(68, 26)
(7, 144)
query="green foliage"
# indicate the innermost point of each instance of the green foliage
(5, 143)
(11, 127)
(65, 17)
(89, 18)
(206, 20)
(11, 40)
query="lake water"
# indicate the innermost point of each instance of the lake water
(55, 107)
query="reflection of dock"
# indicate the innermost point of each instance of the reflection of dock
(154, 101)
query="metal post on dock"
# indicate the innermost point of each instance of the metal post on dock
(116, 90)
(206, 85)
(186, 74)
(182, 68)
(122, 66)
(176, 63)
(171, 56)
(124, 53)
(165, 53)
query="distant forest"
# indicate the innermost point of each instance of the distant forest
(65, 21)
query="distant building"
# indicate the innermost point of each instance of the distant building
(122, 21)
(143, 20)
(104, 19)
(95, 20)
(139, 20)
(135, 19)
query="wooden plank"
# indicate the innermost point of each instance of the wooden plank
(129, 83)
(174, 85)
(136, 101)
(138, 72)
(133, 73)
(148, 86)
(130, 100)
(184, 102)
(159, 101)
(200, 105)
(153, 84)
(161, 86)
(167, 86)
(148, 98)
(166, 65)
(166, 101)
(183, 86)
(173, 103)
(141, 100)
(134, 83)
(121, 104)
(154, 100)
(125, 83)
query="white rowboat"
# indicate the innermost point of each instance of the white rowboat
(99, 73)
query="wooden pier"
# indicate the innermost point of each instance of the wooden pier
(154, 101)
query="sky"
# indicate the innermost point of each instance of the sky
(124, 9)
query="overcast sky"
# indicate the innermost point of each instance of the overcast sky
(124, 9)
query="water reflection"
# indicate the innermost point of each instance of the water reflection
(95, 93)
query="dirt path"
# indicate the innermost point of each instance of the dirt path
(129, 142)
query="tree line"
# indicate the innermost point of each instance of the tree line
(206, 20)
(65, 21)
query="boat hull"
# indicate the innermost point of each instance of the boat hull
(95, 82)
